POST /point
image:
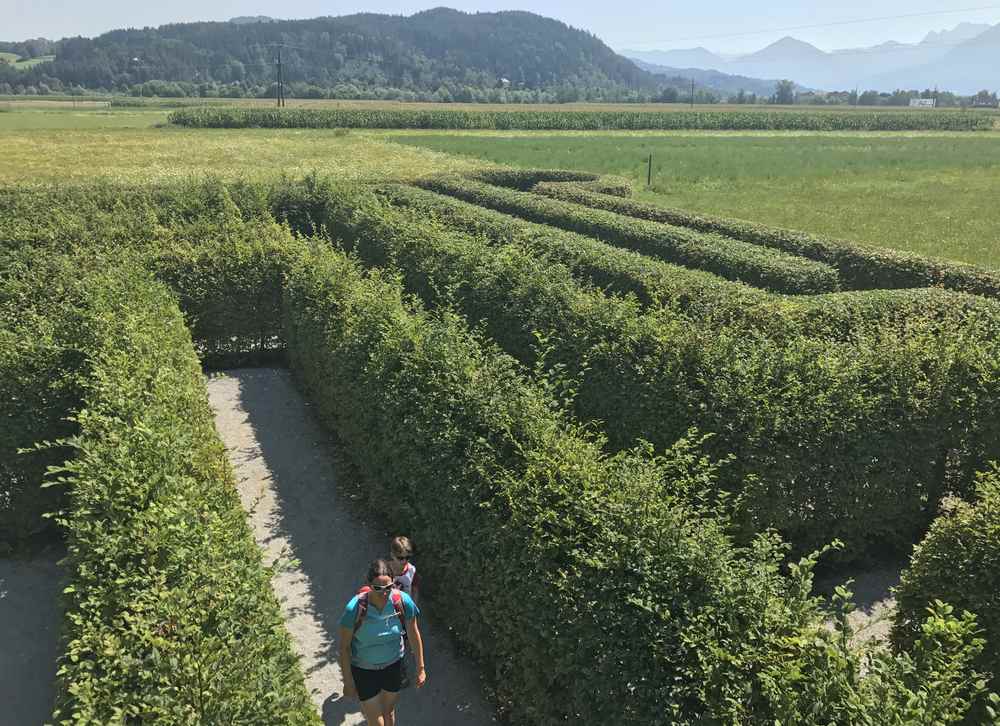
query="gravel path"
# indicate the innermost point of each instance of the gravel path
(30, 618)
(288, 484)
(876, 605)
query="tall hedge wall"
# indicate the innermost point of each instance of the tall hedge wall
(957, 562)
(828, 439)
(705, 297)
(39, 360)
(612, 597)
(170, 616)
(731, 259)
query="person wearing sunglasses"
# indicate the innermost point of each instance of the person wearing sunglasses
(403, 569)
(372, 644)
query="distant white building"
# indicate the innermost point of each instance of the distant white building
(504, 83)
(923, 102)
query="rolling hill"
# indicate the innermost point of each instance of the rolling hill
(422, 52)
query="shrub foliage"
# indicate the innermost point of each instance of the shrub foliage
(647, 612)
(820, 418)
(860, 268)
(957, 563)
(821, 444)
(731, 259)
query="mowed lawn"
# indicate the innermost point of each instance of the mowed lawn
(936, 194)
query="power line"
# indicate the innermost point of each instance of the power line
(832, 24)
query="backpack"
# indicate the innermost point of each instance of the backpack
(397, 604)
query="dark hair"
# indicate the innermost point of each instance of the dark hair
(379, 568)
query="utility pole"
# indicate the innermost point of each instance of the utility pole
(281, 83)
(692, 93)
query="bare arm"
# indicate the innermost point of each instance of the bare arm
(346, 636)
(417, 646)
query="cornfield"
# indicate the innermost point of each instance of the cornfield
(205, 117)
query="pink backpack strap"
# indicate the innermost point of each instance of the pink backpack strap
(397, 604)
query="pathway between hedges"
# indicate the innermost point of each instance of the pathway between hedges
(30, 621)
(288, 482)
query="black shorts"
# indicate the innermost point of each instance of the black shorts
(369, 683)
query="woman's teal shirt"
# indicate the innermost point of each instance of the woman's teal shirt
(379, 641)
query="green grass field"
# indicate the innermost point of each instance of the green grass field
(931, 193)
(49, 155)
(24, 63)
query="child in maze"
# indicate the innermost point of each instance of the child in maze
(404, 574)
(403, 569)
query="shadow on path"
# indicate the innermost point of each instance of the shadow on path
(872, 588)
(288, 483)
(30, 619)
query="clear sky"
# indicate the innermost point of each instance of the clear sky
(634, 24)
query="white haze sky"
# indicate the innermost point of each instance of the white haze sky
(623, 24)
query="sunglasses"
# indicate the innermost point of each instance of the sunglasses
(401, 558)
(381, 588)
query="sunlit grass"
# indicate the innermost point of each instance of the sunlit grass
(50, 155)
(85, 117)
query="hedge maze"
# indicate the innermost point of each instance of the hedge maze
(647, 425)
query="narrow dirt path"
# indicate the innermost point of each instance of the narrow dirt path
(288, 483)
(873, 599)
(30, 619)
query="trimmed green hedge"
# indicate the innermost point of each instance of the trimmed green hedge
(216, 245)
(731, 259)
(227, 278)
(612, 598)
(958, 562)
(829, 439)
(707, 298)
(170, 616)
(524, 180)
(38, 366)
(233, 118)
(860, 268)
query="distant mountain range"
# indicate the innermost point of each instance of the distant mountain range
(439, 53)
(724, 83)
(964, 59)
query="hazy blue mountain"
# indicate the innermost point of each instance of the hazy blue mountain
(964, 59)
(723, 83)
(968, 67)
(689, 58)
(786, 50)
(959, 34)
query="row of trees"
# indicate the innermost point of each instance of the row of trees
(32, 83)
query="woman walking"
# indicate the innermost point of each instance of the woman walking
(372, 645)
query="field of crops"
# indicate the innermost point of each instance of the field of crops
(637, 419)
(235, 117)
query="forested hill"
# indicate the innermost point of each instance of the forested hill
(438, 50)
